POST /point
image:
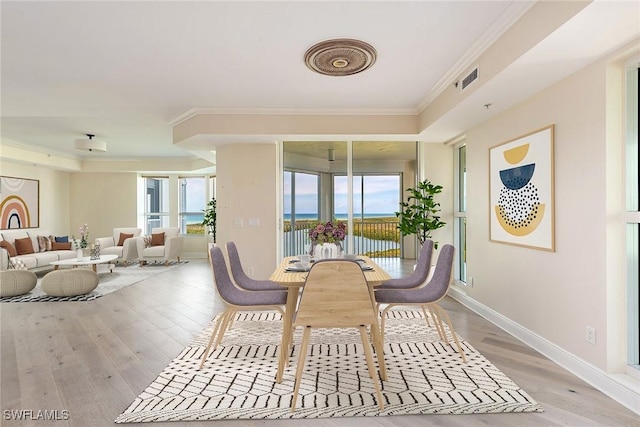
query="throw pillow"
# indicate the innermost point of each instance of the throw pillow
(44, 244)
(123, 237)
(8, 247)
(62, 239)
(157, 239)
(147, 241)
(17, 264)
(24, 246)
(58, 246)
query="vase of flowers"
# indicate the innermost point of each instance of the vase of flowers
(326, 239)
(81, 245)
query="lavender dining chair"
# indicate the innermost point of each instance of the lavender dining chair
(420, 273)
(244, 281)
(427, 295)
(236, 299)
(417, 278)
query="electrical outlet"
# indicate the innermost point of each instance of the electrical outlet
(591, 334)
(251, 271)
(470, 281)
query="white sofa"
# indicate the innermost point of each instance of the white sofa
(127, 251)
(36, 260)
(170, 249)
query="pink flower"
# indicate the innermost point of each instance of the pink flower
(328, 232)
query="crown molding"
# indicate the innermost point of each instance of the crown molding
(510, 16)
(291, 112)
(34, 148)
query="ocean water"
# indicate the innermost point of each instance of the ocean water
(197, 218)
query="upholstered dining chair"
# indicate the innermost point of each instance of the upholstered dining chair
(236, 299)
(336, 295)
(427, 295)
(417, 278)
(420, 273)
(244, 281)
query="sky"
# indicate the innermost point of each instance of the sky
(195, 194)
(382, 194)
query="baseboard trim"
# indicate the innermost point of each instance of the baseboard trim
(622, 388)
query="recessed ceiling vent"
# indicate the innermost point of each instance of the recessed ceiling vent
(471, 77)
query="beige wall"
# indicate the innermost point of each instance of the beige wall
(556, 294)
(103, 201)
(246, 191)
(54, 195)
(438, 168)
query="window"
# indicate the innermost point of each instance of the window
(192, 199)
(460, 214)
(633, 222)
(156, 204)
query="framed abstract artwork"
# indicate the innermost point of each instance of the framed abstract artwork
(19, 203)
(521, 181)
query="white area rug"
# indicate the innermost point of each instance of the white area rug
(108, 282)
(425, 376)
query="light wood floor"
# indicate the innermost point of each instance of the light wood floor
(94, 358)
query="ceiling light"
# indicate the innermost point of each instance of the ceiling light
(340, 57)
(91, 144)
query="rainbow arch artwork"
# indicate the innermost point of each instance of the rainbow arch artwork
(19, 203)
(521, 187)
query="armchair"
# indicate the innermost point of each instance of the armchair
(164, 245)
(122, 244)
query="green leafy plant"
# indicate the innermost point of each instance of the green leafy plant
(210, 218)
(419, 214)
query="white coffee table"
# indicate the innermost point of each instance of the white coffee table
(74, 262)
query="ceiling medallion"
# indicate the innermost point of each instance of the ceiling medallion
(340, 57)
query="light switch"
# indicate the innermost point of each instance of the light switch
(254, 222)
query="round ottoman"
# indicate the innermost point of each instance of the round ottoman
(16, 282)
(69, 283)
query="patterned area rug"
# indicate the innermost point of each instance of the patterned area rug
(108, 282)
(425, 376)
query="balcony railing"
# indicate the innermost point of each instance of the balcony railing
(371, 238)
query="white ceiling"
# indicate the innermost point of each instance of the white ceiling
(124, 70)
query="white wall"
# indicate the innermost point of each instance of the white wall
(246, 190)
(555, 294)
(438, 168)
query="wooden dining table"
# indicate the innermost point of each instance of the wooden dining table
(294, 281)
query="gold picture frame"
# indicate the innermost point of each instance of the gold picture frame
(521, 191)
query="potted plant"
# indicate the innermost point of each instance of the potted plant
(210, 218)
(419, 214)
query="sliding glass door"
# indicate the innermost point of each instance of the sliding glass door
(375, 200)
(359, 183)
(301, 208)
